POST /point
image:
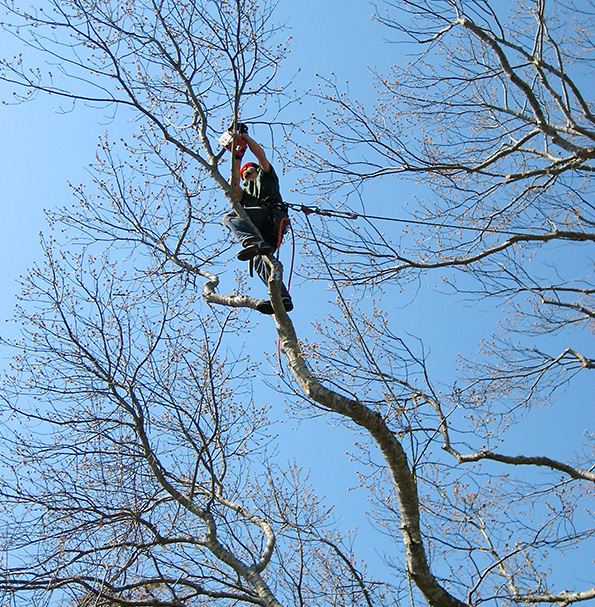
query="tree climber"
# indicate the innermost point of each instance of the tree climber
(262, 201)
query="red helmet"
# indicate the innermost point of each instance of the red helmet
(247, 165)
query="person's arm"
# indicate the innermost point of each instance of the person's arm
(258, 152)
(237, 188)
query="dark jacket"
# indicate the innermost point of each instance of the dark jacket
(263, 191)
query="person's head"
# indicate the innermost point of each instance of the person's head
(249, 171)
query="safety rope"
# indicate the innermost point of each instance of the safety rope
(306, 210)
(352, 321)
(372, 360)
(285, 221)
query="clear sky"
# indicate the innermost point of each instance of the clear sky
(43, 148)
(44, 145)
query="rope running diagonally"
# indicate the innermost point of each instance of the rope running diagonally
(352, 215)
(368, 354)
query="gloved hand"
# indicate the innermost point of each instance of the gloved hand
(240, 147)
(226, 140)
(242, 128)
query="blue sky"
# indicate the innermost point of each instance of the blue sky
(42, 149)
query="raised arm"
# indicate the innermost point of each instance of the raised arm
(257, 150)
(237, 188)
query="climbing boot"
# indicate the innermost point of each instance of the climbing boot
(266, 307)
(251, 249)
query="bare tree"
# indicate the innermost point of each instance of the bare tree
(492, 118)
(142, 476)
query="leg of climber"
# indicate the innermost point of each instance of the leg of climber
(272, 233)
(263, 271)
(252, 243)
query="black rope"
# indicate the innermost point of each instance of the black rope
(351, 215)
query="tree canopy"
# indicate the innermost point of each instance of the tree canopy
(140, 447)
